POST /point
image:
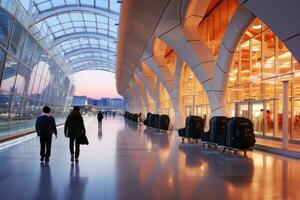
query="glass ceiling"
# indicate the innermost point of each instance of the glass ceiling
(84, 31)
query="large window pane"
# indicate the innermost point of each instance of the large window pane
(15, 106)
(2, 59)
(9, 74)
(31, 82)
(284, 58)
(244, 62)
(28, 50)
(296, 119)
(4, 105)
(23, 78)
(17, 39)
(5, 27)
(268, 54)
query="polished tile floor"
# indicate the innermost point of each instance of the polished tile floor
(129, 162)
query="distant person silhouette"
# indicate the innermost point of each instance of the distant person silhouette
(45, 126)
(74, 129)
(100, 117)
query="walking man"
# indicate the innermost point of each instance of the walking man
(45, 126)
(100, 117)
(74, 129)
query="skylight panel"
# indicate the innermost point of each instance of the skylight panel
(89, 17)
(44, 6)
(90, 24)
(69, 31)
(70, 2)
(102, 19)
(58, 3)
(74, 22)
(58, 34)
(88, 2)
(103, 31)
(79, 29)
(102, 4)
(76, 16)
(64, 18)
(114, 6)
(52, 21)
(103, 42)
(91, 30)
(67, 25)
(79, 24)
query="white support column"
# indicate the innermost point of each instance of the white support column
(285, 115)
(140, 105)
(157, 97)
(178, 107)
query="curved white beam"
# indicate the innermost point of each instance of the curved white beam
(89, 59)
(92, 67)
(88, 50)
(141, 107)
(56, 11)
(82, 35)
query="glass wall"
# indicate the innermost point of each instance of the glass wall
(195, 101)
(166, 104)
(151, 103)
(29, 79)
(260, 64)
(214, 25)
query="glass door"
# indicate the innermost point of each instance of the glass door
(296, 120)
(269, 118)
(242, 109)
(188, 111)
(257, 116)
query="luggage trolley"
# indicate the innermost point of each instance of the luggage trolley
(209, 144)
(234, 150)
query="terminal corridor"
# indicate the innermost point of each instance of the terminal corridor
(129, 161)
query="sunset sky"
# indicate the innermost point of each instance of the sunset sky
(95, 84)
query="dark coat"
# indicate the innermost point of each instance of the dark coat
(74, 126)
(100, 116)
(45, 125)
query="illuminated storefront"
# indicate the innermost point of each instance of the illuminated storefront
(166, 106)
(194, 98)
(255, 88)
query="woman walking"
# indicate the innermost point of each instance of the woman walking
(74, 129)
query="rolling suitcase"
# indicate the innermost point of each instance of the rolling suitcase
(153, 120)
(240, 133)
(205, 136)
(194, 126)
(126, 114)
(217, 129)
(164, 121)
(134, 117)
(181, 132)
(148, 119)
(156, 121)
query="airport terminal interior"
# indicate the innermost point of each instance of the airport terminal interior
(211, 93)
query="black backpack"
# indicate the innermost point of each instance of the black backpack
(217, 128)
(240, 133)
(194, 126)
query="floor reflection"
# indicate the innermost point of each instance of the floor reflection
(77, 184)
(100, 133)
(45, 188)
(126, 160)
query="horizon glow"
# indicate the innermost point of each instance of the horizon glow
(95, 84)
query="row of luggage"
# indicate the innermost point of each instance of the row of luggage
(235, 132)
(131, 116)
(161, 122)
